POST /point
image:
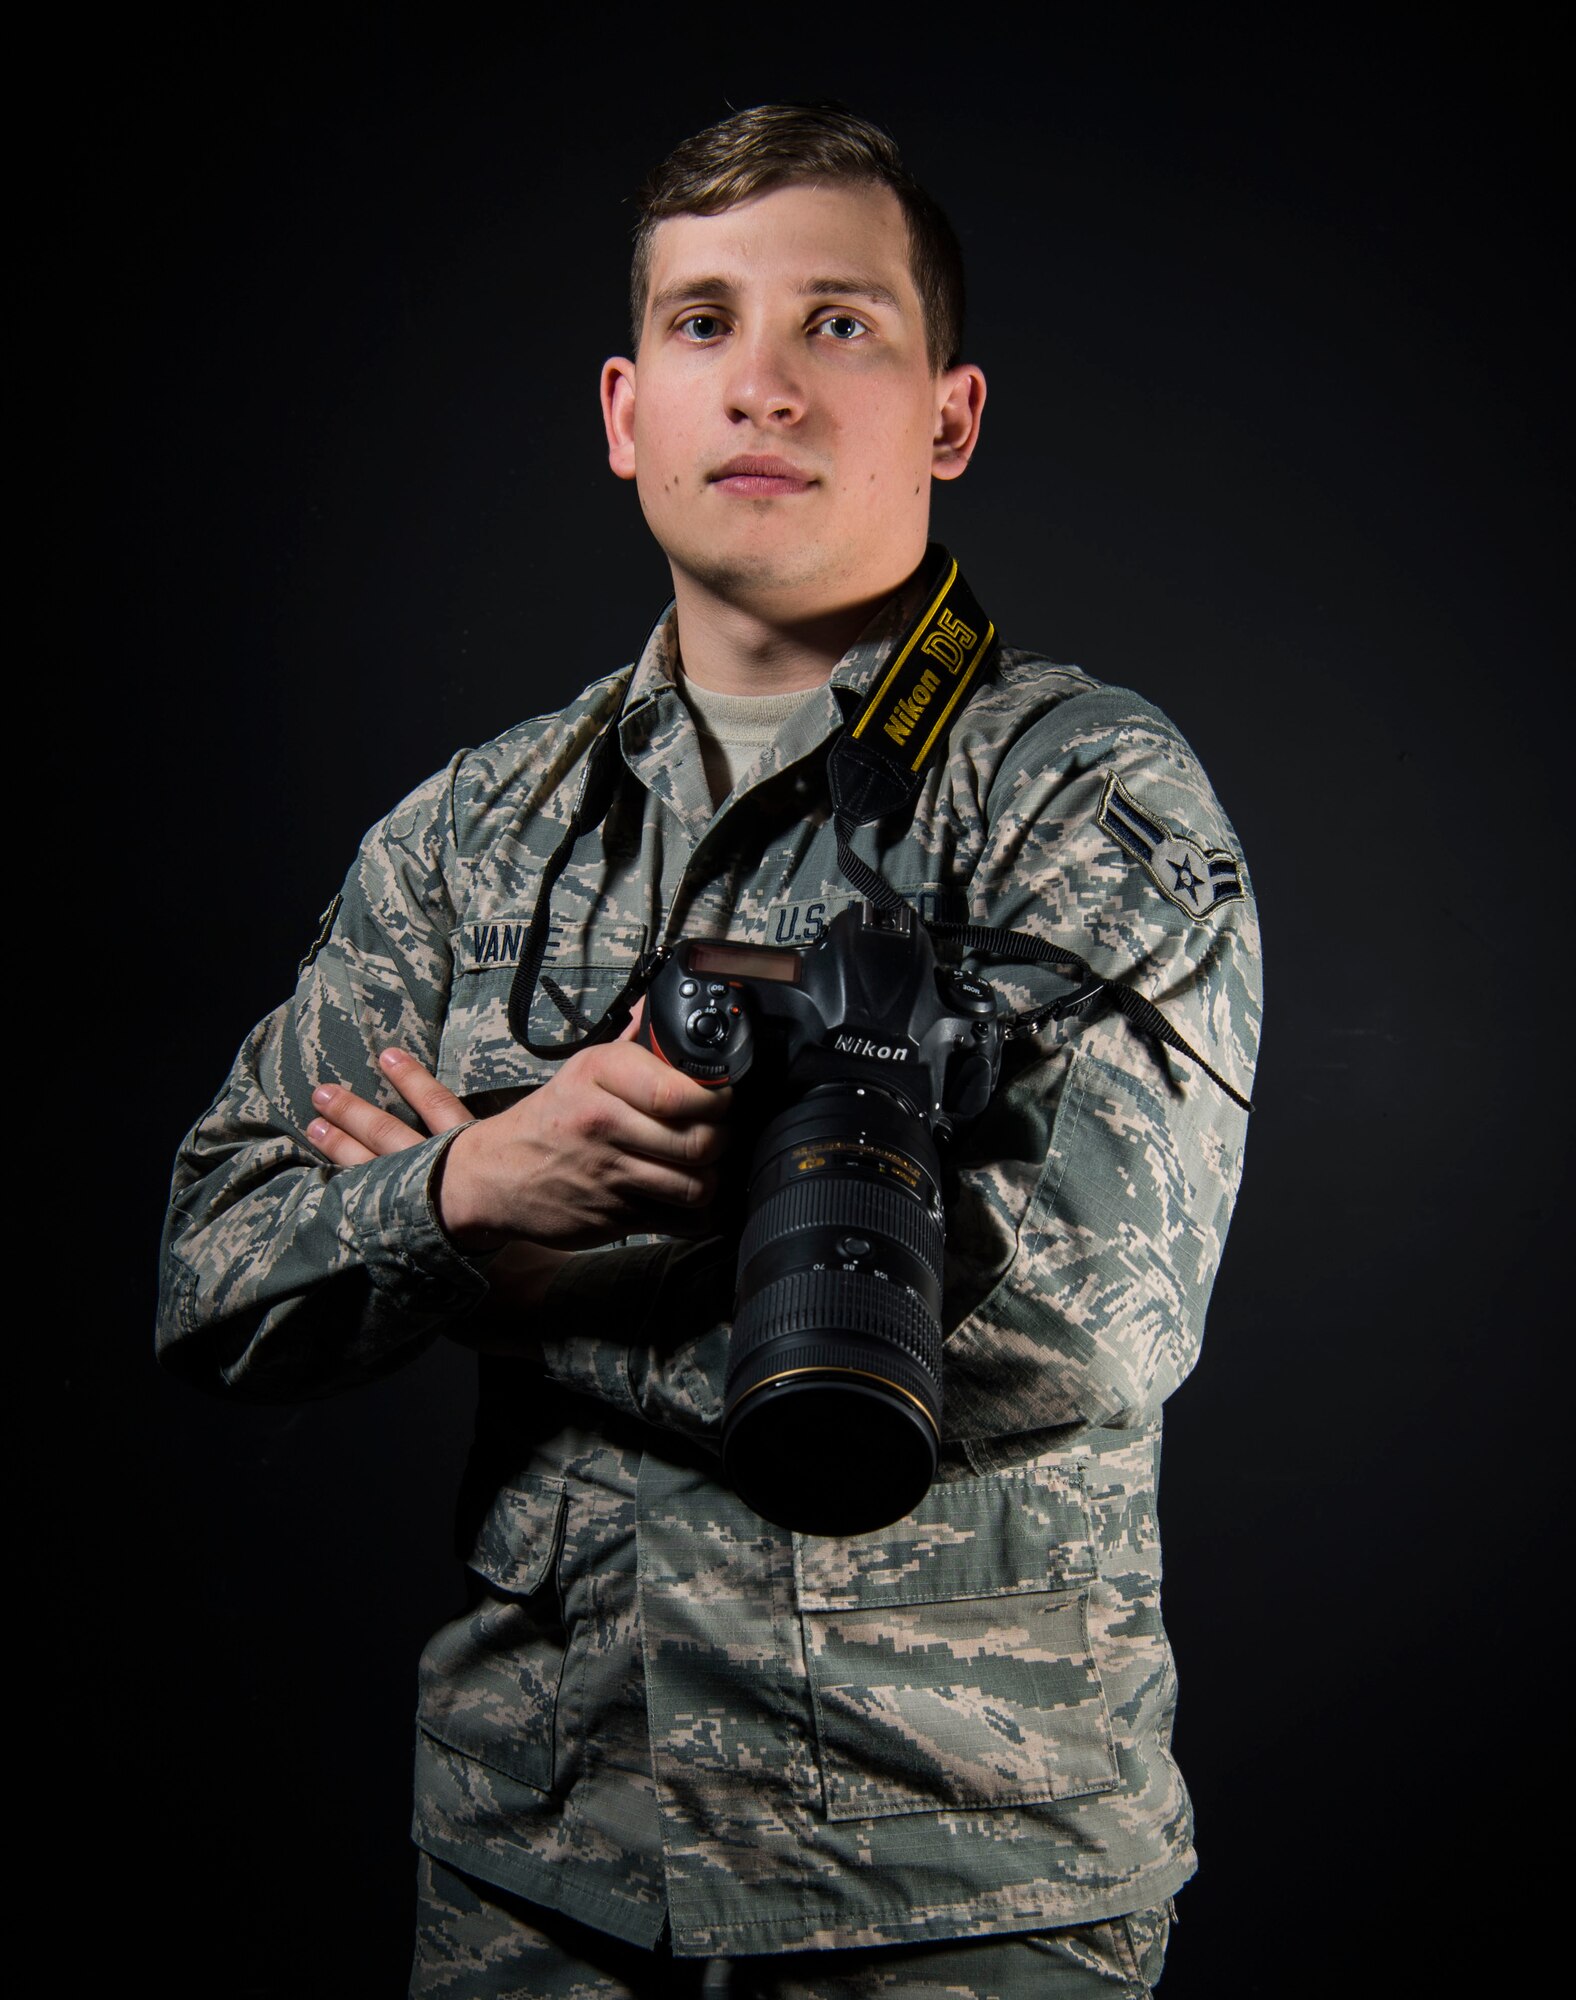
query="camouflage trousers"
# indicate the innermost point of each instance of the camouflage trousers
(477, 1942)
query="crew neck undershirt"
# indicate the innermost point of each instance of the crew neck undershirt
(735, 728)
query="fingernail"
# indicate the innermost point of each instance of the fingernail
(392, 1058)
(317, 1131)
(322, 1095)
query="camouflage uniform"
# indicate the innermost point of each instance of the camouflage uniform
(661, 1709)
(476, 1942)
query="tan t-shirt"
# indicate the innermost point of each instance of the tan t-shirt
(735, 728)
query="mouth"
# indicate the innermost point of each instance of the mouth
(755, 476)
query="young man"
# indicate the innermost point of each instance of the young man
(936, 1755)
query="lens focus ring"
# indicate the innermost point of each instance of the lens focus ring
(865, 1208)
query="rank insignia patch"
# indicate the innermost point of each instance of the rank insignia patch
(1195, 878)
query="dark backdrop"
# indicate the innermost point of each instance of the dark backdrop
(1268, 316)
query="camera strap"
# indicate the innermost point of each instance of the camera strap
(598, 781)
(878, 764)
(1090, 990)
(876, 767)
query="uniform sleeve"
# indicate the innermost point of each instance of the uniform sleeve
(283, 1277)
(1094, 1196)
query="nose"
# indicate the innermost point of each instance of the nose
(764, 386)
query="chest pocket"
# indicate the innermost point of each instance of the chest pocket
(489, 1681)
(949, 1654)
(478, 1057)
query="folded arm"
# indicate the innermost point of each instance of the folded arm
(291, 1269)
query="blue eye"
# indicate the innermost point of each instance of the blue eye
(843, 327)
(701, 326)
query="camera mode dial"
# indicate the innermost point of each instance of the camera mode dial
(967, 993)
(707, 1027)
(711, 1020)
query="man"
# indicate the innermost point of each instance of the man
(670, 1733)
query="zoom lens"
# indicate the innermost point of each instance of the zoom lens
(832, 1411)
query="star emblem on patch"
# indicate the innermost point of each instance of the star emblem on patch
(1197, 879)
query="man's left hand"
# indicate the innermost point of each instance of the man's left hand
(350, 1131)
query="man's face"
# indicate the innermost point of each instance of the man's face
(781, 422)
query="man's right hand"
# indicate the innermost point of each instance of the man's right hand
(615, 1143)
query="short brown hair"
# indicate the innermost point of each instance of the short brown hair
(772, 145)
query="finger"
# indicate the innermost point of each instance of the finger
(336, 1145)
(612, 1121)
(378, 1131)
(649, 1186)
(657, 1089)
(433, 1103)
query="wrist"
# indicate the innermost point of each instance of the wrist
(458, 1198)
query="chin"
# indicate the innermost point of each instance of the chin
(761, 572)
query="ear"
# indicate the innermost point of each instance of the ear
(961, 400)
(618, 414)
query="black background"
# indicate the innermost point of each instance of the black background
(1267, 303)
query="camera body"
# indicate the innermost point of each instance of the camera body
(862, 1052)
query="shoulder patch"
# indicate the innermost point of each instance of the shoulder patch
(325, 930)
(1197, 879)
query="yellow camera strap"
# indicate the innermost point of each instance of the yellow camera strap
(879, 762)
(878, 765)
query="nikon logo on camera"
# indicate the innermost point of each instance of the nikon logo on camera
(862, 1045)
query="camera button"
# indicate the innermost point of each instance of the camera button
(689, 988)
(707, 1026)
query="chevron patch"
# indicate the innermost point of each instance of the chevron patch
(1197, 879)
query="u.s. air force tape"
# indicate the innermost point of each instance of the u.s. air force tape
(878, 762)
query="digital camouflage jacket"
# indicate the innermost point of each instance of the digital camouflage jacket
(660, 1707)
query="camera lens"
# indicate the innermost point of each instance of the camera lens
(832, 1412)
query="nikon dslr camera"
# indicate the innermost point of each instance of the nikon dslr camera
(863, 1052)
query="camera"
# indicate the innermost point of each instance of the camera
(862, 1053)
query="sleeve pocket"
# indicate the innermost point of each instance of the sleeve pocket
(949, 1655)
(489, 1681)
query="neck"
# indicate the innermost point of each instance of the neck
(736, 649)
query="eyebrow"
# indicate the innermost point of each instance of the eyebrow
(686, 290)
(851, 287)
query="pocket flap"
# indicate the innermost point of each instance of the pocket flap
(518, 1538)
(478, 1054)
(996, 1536)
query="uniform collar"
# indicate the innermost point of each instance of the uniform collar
(657, 670)
(657, 733)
